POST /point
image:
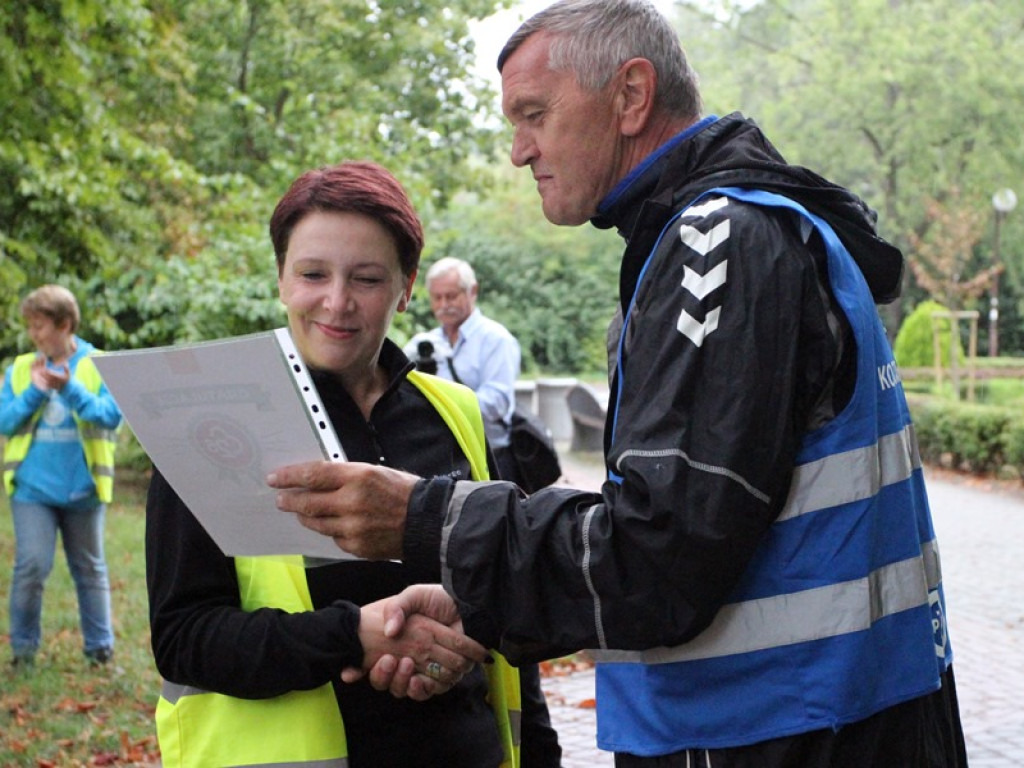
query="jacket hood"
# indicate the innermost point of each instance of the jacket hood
(733, 152)
(83, 348)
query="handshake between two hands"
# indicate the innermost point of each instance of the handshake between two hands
(413, 644)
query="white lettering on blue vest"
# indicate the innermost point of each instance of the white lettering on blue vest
(889, 376)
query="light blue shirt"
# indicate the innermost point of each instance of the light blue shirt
(486, 358)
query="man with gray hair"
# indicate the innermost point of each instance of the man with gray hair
(472, 349)
(759, 575)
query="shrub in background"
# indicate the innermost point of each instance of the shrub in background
(130, 454)
(915, 346)
(1013, 443)
(967, 436)
(980, 435)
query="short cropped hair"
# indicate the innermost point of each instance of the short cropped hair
(593, 38)
(350, 187)
(55, 302)
(467, 277)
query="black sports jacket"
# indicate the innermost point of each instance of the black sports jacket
(703, 436)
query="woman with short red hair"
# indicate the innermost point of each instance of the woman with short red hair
(252, 649)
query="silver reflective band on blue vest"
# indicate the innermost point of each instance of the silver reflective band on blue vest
(840, 613)
(836, 609)
(852, 475)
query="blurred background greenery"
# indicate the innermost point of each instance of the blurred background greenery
(143, 144)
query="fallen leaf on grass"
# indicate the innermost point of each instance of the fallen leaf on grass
(15, 707)
(143, 750)
(99, 719)
(74, 705)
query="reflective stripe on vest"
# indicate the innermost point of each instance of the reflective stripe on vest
(852, 475)
(839, 614)
(268, 732)
(305, 728)
(98, 444)
(832, 609)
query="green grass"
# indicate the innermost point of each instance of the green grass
(62, 712)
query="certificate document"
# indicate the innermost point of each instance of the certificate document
(215, 418)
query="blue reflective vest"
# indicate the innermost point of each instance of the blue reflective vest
(840, 614)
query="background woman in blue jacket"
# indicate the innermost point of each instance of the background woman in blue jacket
(60, 422)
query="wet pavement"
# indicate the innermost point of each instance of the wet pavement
(980, 527)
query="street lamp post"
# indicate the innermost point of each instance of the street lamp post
(1004, 201)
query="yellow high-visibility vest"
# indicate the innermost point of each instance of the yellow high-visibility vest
(98, 443)
(206, 730)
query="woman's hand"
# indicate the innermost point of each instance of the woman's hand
(413, 644)
(49, 378)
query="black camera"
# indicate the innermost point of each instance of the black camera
(425, 361)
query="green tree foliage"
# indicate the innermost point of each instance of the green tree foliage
(285, 86)
(83, 185)
(143, 143)
(901, 100)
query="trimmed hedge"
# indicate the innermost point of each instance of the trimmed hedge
(968, 436)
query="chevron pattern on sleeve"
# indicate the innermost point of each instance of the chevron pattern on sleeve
(701, 285)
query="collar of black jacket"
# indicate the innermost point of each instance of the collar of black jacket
(733, 151)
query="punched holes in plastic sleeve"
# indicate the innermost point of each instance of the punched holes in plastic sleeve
(313, 406)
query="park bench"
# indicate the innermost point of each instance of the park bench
(588, 413)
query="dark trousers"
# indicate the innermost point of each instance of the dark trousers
(540, 747)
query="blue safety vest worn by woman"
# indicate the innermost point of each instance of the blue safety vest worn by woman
(304, 728)
(840, 614)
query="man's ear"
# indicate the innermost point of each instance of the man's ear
(403, 302)
(637, 83)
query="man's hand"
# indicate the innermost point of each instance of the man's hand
(413, 644)
(361, 506)
(49, 378)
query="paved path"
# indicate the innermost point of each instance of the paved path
(981, 533)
